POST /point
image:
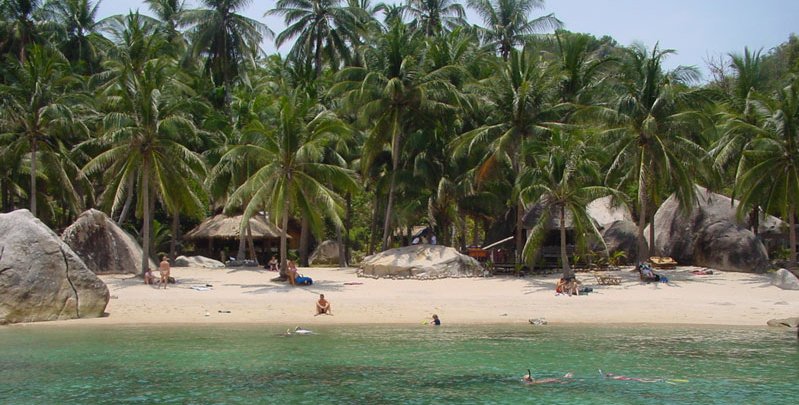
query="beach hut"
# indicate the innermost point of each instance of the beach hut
(219, 236)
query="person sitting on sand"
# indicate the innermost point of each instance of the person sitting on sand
(273, 264)
(149, 277)
(567, 285)
(528, 379)
(435, 320)
(163, 269)
(323, 306)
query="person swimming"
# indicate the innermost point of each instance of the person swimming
(626, 378)
(529, 379)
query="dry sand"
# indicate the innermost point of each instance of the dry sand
(724, 298)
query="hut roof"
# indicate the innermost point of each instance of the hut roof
(225, 227)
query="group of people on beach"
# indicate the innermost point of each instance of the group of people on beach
(163, 271)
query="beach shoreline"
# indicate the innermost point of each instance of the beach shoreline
(247, 295)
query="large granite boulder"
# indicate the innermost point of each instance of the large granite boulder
(326, 253)
(41, 278)
(420, 262)
(605, 212)
(622, 236)
(710, 235)
(102, 245)
(198, 261)
(784, 279)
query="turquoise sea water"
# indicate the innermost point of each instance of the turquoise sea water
(396, 364)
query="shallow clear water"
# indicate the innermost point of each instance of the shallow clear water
(396, 364)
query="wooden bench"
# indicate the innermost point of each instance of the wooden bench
(604, 279)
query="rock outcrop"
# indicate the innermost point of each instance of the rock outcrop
(789, 322)
(604, 212)
(420, 262)
(102, 245)
(326, 253)
(784, 279)
(622, 236)
(710, 235)
(198, 261)
(41, 278)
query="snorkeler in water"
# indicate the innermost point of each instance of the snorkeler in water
(529, 379)
(626, 378)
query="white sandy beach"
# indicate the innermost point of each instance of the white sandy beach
(723, 298)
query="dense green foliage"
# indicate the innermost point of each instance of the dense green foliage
(379, 119)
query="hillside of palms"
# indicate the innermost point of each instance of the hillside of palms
(379, 118)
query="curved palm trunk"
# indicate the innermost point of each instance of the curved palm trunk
(251, 244)
(33, 176)
(145, 232)
(242, 243)
(128, 201)
(564, 256)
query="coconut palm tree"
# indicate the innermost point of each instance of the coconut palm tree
(77, 31)
(35, 109)
(320, 28)
(143, 141)
(433, 16)
(20, 26)
(225, 39)
(394, 93)
(507, 22)
(521, 97)
(565, 177)
(771, 161)
(287, 153)
(651, 133)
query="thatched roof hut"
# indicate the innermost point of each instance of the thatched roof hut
(225, 227)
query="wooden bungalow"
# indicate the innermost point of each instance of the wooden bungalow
(218, 237)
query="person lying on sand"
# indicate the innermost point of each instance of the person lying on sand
(323, 306)
(528, 379)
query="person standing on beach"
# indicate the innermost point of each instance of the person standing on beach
(163, 268)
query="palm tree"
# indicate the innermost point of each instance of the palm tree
(320, 27)
(521, 96)
(771, 161)
(36, 108)
(507, 23)
(432, 16)
(19, 26)
(395, 94)
(651, 133)
(563, 180)
(225, 38)
(77, 31)
(143, 135)
(288, 154)
(171, 14)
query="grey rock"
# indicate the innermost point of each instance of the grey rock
(622, 236)
(604, 212)
(180, 261)
(325, 253)
(102, 245)
(199, 261)
(710, 235)
(784, 279)
(41, 278)
(420, 262)
(790, 322)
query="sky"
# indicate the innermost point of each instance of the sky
(697, 30)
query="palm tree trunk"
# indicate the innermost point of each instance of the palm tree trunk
(284, 238)
(564, 256)
(173, 251)
(33, 176)
(251, 244)
(373, 225)
(389, 205)
(792, 236)
(342, 252)
(653, 247)
(754, 219)
(128, 201)
(242, 243)
(519, 234)
(643, 249)
(347, 225)
(476, 232)
(145, 232)
(305, 241)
